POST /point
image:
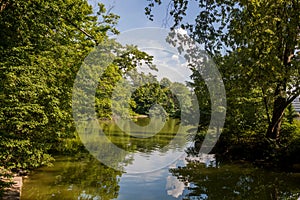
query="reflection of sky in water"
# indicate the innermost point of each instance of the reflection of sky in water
(208, 159)
(145, 162)
(174, 187)
(154, 185)
(149, 186)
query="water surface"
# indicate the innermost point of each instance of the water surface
(202, 177)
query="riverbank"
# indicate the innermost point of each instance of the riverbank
(14, 192)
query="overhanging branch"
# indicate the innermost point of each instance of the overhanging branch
(81, 30)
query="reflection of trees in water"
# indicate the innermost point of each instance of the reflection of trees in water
(101, 147)
(156, 142)
(84, 177)
(236, 182)
(79, 178)
(91, 178)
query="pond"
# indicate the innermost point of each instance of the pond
(155, 168)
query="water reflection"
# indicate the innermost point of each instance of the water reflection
(73, 178)
(175, 187)
(84, 177)
(150, 153)
(190, 177)
(235, 182)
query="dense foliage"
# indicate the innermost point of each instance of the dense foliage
(256, 47)
(162, 93)
(43, 44)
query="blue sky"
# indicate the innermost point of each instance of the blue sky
(132, 16)
(132, 13)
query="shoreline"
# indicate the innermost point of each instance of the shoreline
(15, 191)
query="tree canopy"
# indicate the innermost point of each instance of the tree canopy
(42, 47)
(259, 42)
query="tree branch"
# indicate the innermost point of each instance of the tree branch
(266, 105)
(291, 99)
(81, 30)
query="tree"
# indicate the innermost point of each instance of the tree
(164, 92)
(42, 47)
(123, 67)
(263, 39)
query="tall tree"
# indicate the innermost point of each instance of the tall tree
(42, 46)
(262, 36)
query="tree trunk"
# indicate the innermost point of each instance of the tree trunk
(273, 131)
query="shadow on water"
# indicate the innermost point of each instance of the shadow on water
(235, 181)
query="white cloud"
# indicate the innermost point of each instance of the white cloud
(175, 57)
(181, 31)
(174, 187)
